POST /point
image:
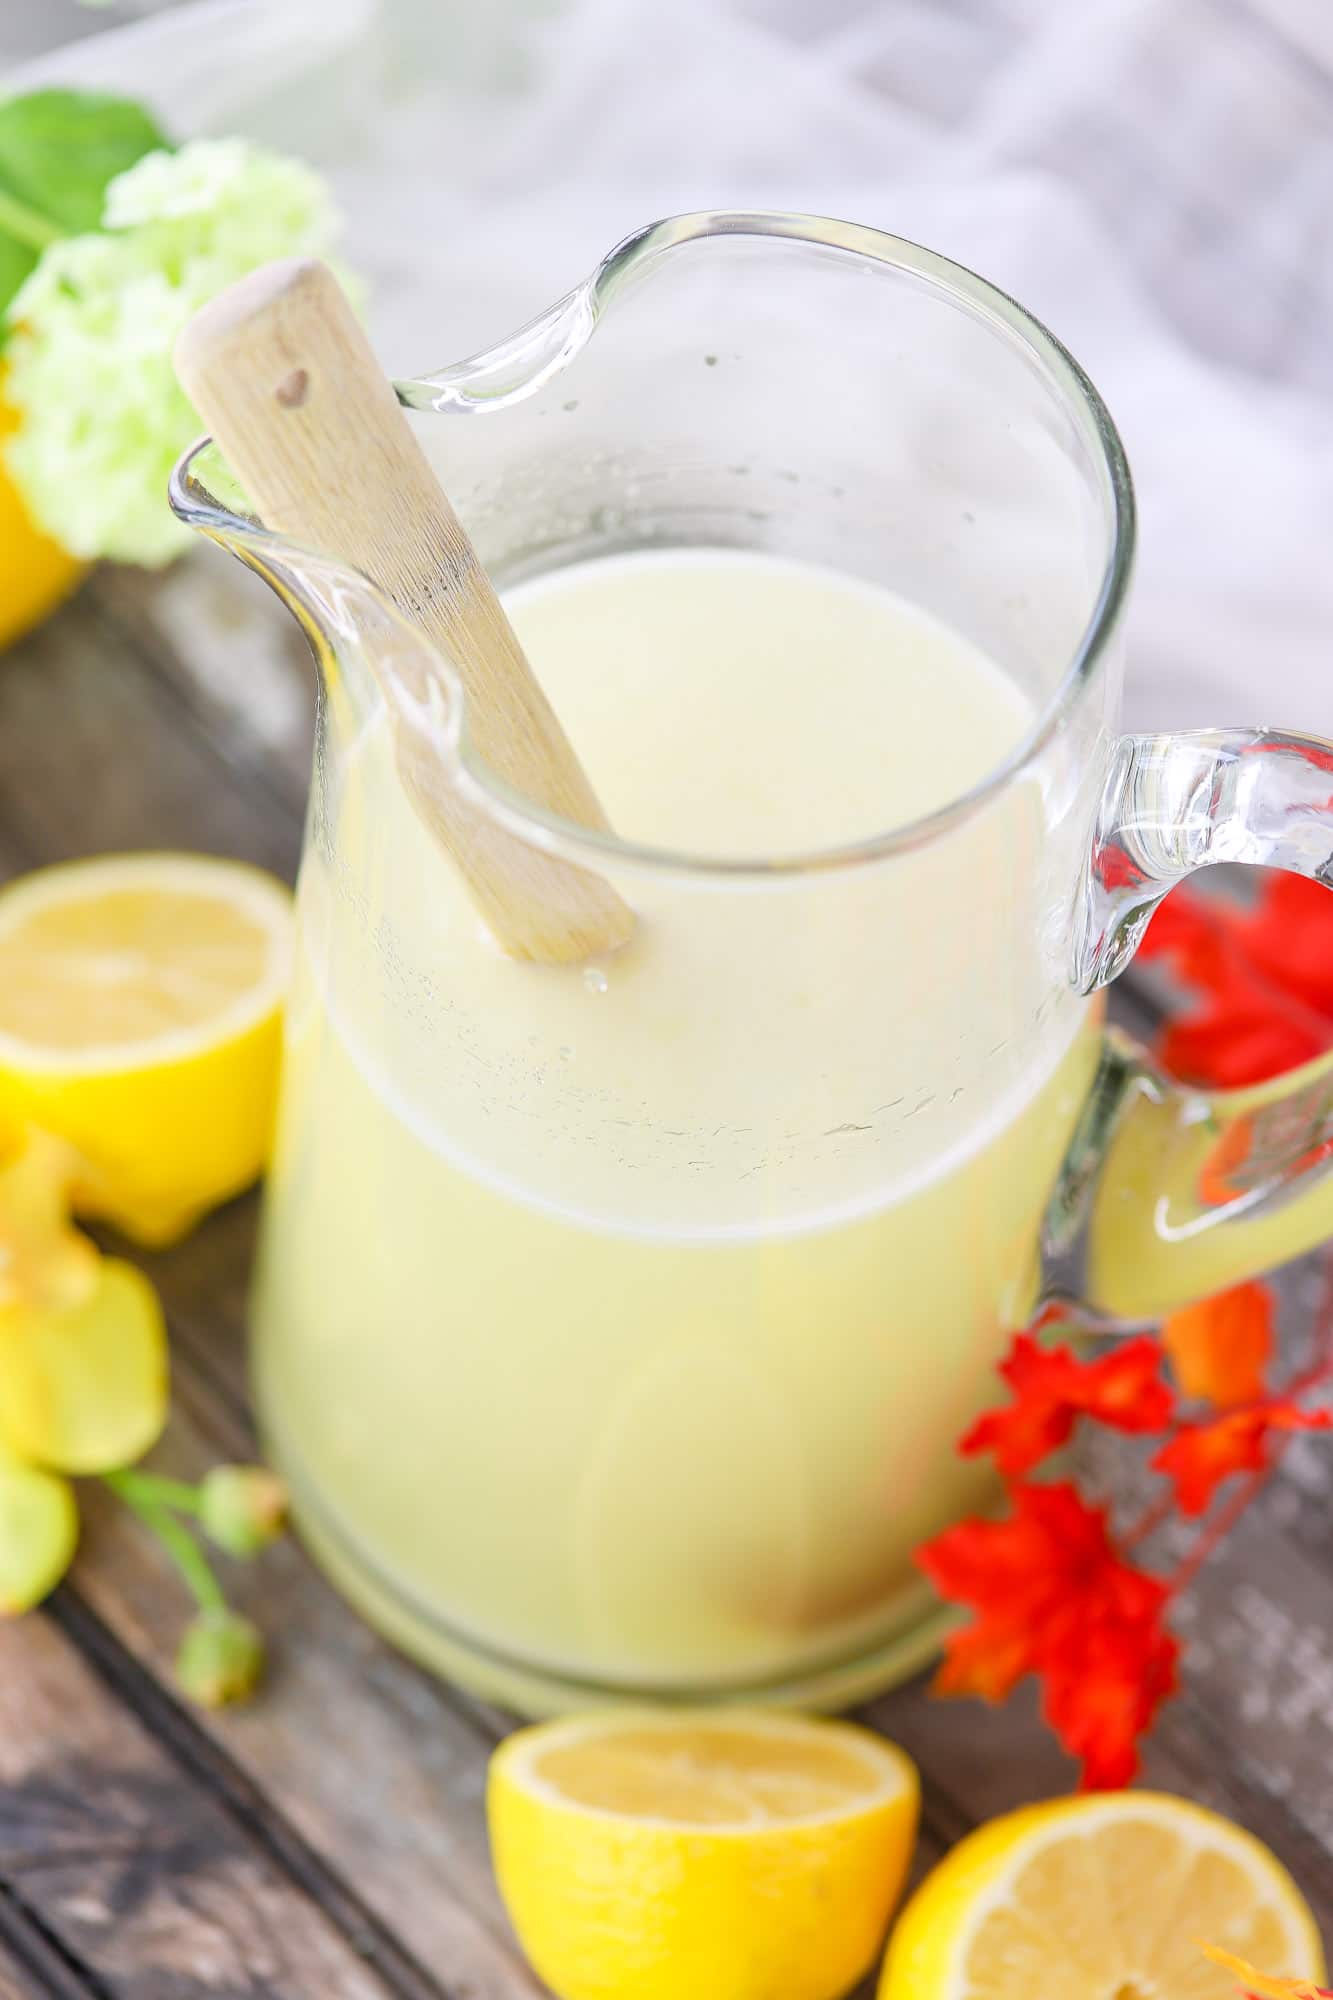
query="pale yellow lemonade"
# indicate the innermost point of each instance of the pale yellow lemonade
(621, 1320)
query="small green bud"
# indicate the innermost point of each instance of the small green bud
(221, 1658)
(242, 1507)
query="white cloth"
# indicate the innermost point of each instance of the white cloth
(1154, 178)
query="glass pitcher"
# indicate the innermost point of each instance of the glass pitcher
(615, 1324)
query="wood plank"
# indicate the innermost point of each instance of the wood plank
(1259, 1688)
(400, 1816)
(18, 1984)
(31, 1962)
(239, 663)
(132, 1869)
(98, 754)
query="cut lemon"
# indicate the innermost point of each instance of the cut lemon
(35, 572)
(140, 1010)
(1099, 1898)
(721, 1855)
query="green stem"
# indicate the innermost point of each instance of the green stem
(176, 1540)
(29, 225)
(156, 1491)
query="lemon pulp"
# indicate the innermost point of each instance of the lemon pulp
(140, 1005)
(1099, 1898)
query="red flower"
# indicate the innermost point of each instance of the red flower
(1289, 938)
(1264, 977)
(1220, 1348)
(1053, 1597)
(1201, 1456)
(1052, 1388)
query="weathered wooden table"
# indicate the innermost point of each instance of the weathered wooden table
(328, 1842)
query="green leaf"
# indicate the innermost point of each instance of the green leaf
(58, 150)
(16, 260)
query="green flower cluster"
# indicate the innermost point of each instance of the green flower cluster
(241, 1508)
(88, 359)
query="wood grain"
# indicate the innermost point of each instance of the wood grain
(130, 1867)
(31, 1962)
(281, 370)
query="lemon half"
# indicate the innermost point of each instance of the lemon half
(721, 1855)
(140, 1019)
(1099, 1898)
(36, 574)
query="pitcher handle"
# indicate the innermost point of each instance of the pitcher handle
(1187, 1191)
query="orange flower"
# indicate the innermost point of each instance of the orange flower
(1220, 1348)
(1258, 1985)
(1221, 1177)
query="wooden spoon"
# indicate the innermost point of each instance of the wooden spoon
(280, 369)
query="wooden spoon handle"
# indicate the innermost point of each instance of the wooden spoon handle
(280, 369)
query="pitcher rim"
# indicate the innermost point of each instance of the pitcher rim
(523, 362)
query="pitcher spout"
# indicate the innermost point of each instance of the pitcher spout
(335, 605)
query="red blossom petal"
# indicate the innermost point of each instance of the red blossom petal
(987, 1659)
(1009, 1573)
(1103, 1695)
(1052, 1596)
(1041, 1416)
(1200, 1457)
(1263, 980)
(1289, 937)
(1126, 1390)
(1052, 1387)
(1238, 1042)
(1221, 1347)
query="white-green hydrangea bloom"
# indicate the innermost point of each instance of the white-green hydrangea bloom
(88, 364)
